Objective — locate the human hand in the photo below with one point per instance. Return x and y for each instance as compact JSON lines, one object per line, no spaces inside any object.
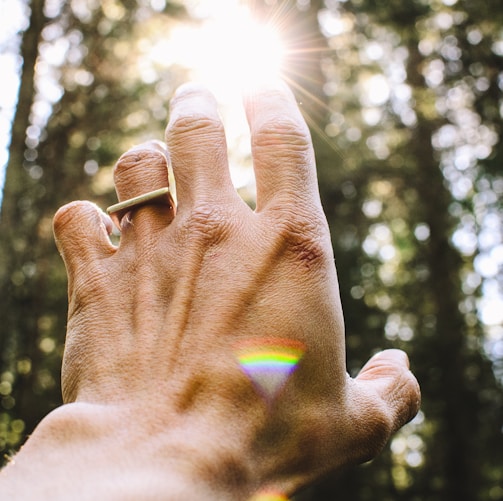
{"x":157,"y":325}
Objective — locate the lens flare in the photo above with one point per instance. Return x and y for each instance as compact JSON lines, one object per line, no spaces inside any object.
{"x":269,"y":496}
{"x":227,"y":49}
{"x":238,"y":51}
{"x":269,"y":362}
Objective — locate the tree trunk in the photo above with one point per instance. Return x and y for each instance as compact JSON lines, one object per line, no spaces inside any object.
{"x":17,"y":224}
{"x":448,"y":350}
{"x":20,"y":280}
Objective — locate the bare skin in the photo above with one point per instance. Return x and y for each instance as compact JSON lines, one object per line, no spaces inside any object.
{"x":156,"y":405}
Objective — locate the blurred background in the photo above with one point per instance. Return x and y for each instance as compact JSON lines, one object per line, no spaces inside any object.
{"x":404,"y":100}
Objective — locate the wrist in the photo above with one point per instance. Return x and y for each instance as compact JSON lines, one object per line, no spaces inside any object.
{"x":87,"y":451}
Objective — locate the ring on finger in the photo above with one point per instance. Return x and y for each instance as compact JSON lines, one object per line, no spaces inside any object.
{"x":156,"y":197}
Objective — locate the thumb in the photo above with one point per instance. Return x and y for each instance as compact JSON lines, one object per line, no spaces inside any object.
{"x":81,"y":232}
{"x":387,"y":374}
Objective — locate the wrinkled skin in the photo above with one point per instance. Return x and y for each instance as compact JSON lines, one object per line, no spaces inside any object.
{"x":153,"y":322}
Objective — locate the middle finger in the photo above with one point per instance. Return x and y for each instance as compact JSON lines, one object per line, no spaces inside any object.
{"x":198,"y":150}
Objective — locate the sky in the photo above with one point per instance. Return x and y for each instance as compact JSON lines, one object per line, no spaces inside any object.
{"x":12,"y":20}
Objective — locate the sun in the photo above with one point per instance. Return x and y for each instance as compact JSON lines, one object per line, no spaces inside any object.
{"x":243,"y":51}
{"x":227,"y":49}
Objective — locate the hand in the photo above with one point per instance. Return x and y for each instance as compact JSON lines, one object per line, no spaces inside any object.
{"x":157,"y":325}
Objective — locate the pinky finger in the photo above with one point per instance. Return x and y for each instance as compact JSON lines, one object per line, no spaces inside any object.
{"x":81,"y":231}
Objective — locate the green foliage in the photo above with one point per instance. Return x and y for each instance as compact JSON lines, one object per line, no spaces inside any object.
{"x":87,"y":55}
{"x":408,"y":130}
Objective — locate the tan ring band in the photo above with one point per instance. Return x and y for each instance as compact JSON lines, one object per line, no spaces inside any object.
{"x":119,"y":210}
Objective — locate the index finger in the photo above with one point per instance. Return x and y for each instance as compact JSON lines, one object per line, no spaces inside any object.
{"x":282,"y":150}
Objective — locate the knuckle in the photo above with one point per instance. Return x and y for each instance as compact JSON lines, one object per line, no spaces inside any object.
{"x":70,"y":215}
{"x":408,"y":399}
{"x":64,"y":214}
{"x":139,"y":162}
{"x":137,"y":155}
{"x":207,"y":225}
{"x":194,"y":124}
{"x":285,"y":133}
{"x":86,"y":290}
{"x":80,"y":233}
{"x":374,"y":432}
{"x":403,"y":394}
{"x":305,"y":239}
{"x":380,"y":428}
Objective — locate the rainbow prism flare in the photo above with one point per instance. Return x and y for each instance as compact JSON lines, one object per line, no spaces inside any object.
{"x":269,"y":496}
{"x":269,"y":362}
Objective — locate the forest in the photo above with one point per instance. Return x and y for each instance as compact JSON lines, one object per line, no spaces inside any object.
{"x":404,"y":100}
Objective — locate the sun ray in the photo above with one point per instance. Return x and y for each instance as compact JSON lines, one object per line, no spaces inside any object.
{"x":236,"y":43}
{"x":303,"y":50}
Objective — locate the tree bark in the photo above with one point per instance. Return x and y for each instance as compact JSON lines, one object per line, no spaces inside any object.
{"x":18,"y":226}
{"x":16,"y":223}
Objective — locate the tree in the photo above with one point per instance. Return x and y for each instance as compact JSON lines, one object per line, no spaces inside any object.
{"x":404,"y":103}
{"x":81,"y":104}
{"x":394,"y":210}
{"x":16,"y":245}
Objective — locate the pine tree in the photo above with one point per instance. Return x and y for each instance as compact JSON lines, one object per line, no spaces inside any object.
{"x":99,"y":106}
